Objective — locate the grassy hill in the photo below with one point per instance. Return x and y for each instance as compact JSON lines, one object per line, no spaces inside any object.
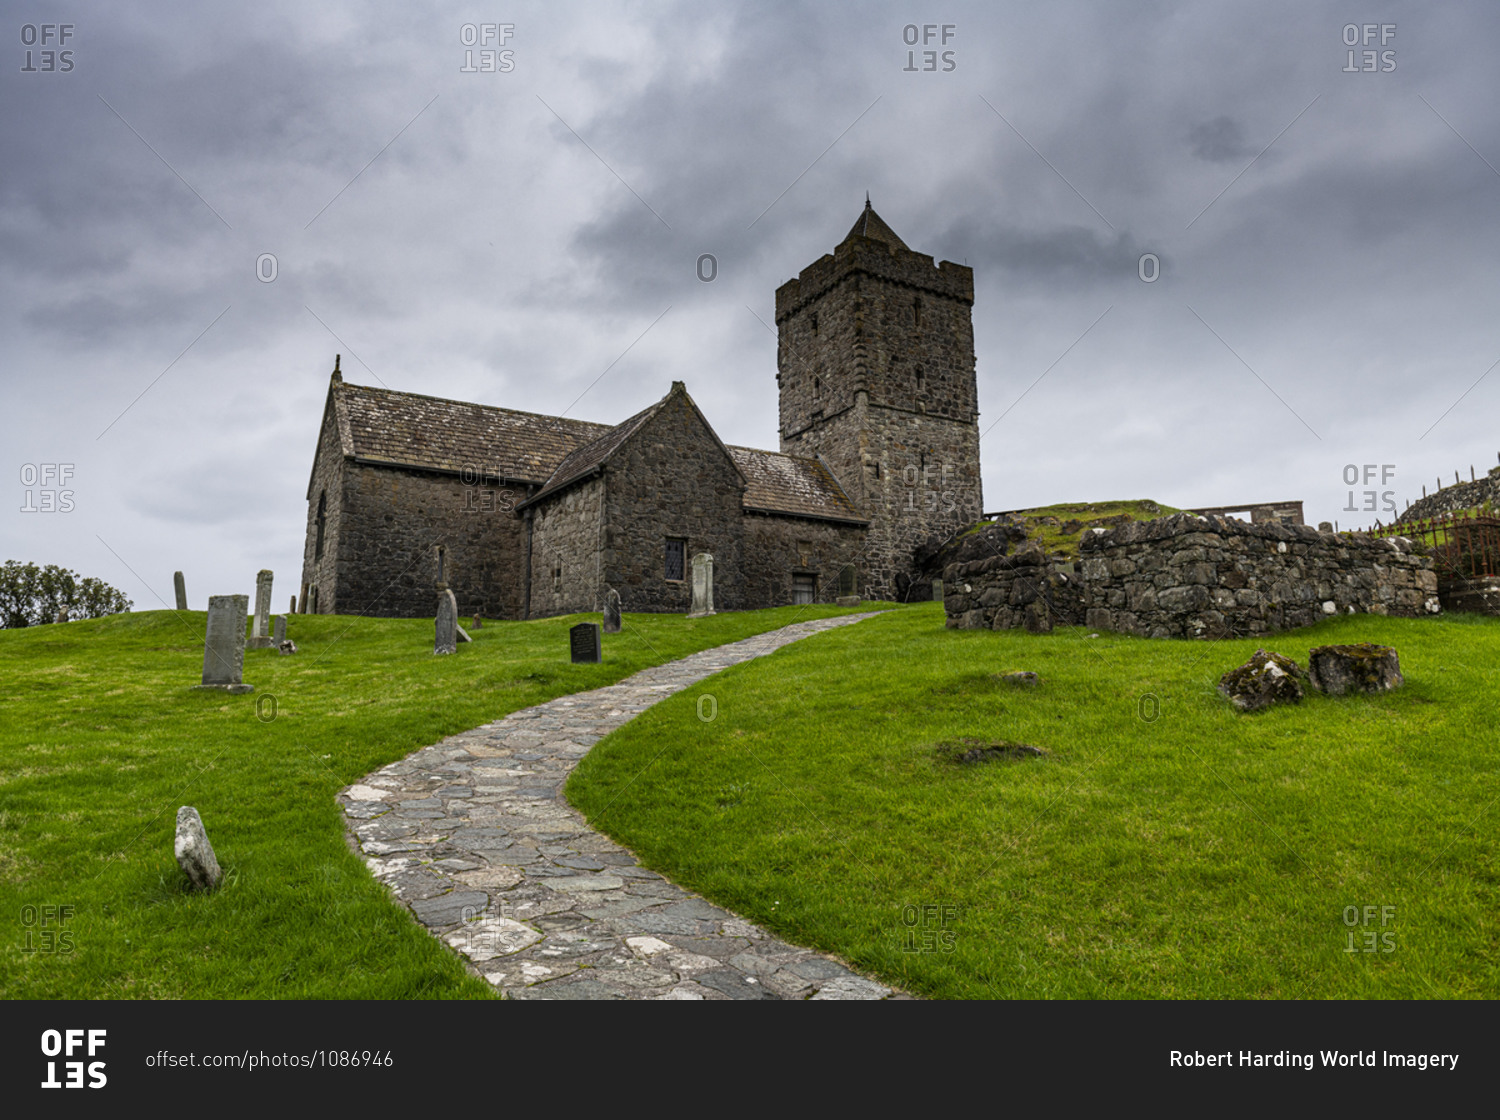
{"x":102,"y":738}
{"x":1058,"y":528}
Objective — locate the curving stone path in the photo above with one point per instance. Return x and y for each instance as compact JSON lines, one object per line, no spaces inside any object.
{"x":474,"y":836}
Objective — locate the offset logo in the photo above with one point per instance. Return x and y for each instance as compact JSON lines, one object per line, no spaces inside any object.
{"x":66,"y":1044}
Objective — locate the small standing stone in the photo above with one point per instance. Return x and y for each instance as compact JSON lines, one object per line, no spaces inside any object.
{"x":195,"y":855}
{"x":1325,"y":526}
{"x":937,"y":591}
{"x":478,"y":622}
{"x":584,"y":643}
{"x":224,"y":644}
{"x":293,"y":608}
{"x":260,"y":636}
{"x":447,"y":624}
{"x":611,"y":611}
{"x":703,"y":586}
{"x":62,"y":614}
{"x":280,"y":635}
{"x":181,"y":590}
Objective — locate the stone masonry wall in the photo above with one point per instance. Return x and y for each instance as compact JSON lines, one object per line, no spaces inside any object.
{"x":777,"y":547}
{"x":673,"y":479}
{"x":321,"y":572}
{"x":1194,"y":577}
{"x":1460,"y":495}
{"x":566,"y":534}
{"x":394,"y":521}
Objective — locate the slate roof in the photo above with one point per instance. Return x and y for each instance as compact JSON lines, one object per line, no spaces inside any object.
{"x":407,"y":429}
{"x":791,"y":484}
{"x":871,"y":225}
{"x":383,"y":426}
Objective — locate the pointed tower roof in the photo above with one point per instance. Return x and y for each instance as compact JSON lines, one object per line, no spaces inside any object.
{"x":871,"y":225}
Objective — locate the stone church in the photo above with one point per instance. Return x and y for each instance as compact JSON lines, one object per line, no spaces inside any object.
{"x":524,"y":516}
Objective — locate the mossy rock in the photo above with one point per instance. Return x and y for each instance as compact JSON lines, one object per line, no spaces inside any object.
{"x":1366,"y":667}
{"x":1267,"y":678}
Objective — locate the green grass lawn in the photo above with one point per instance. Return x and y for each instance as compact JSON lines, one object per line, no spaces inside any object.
{"x":102,"y":738}
{"x":1167,"y":846}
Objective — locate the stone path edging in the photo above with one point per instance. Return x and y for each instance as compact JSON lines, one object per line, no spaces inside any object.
{"x":474,"y":836}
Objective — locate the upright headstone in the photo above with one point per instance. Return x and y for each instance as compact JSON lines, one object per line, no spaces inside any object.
{"x":293,"y":608}
{"x":848,"y":587}
{"x":478,"y":622}
{"x":224,"y":644}
{"x":260,"y":637}
{"x":447,"y":624}
{"x":703,"y":586}
{"x":280,"y":635}
{"x":584,"y":643}
{"x":611,"y":611}
{"x":181,"y":590}
{"x":62,"y":614}
{"x":937,"y":590}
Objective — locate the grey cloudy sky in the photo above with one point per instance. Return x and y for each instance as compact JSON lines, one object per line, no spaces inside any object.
{"x":1325,"y":224}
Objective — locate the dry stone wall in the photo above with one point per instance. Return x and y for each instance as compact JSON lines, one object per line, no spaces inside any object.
{"x":1193,"y":577}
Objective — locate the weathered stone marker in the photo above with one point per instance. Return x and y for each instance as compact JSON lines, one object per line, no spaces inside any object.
{"x":703,"y":586}
{"x":280,"y":635}
{"x":937,"y":591}
{"x":62,"y":614}
{"x":1267,"y":678}
{"x":195,"y":855}
{"x":181,"y":590}
{"x":447,"y":624}
{"x":584,"y":643}
{"x":293,"y":608}
{"x":1365,"y":667}
{"x":461,"y":633}
{"x":1325,"y":526}
{"x":260,"y":636}
{"x":611,"y":611}
{"x":848,"y":595}
{"x":224,"y":644}
{"x":478,"y":622}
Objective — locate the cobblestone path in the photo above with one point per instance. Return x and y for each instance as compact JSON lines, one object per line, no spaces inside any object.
{"x":474,"y":836}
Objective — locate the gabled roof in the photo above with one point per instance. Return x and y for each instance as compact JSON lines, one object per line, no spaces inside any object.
{"x":411,"y":430}
{"x":791,"y":484}
{"x":591,"y":456}
{"x":870,"y":225}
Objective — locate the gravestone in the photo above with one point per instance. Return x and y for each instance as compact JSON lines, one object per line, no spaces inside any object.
{"x":937,"y":590}
{"x":260,"y":636}
{"x":478,"y":622}
{"x":848,"y":587}
{"x":195,"y":855}
{"x":224,"y":644}
{"x":62,"y":614}
{"x":181,"y":590}
{"x":280,"y":635}
{"x":461,"y":633}
{"x":1325,"y":526}
{"x":293,"y":608}
{"x":703,"y":586}
{"x":584,"y":643}
{"x":611,"y":611}
{"x":447,"y":624}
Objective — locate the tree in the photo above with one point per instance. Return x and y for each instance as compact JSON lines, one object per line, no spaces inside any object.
{"x":32,"y":596}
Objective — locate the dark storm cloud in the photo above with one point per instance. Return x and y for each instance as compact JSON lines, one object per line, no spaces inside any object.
{"x":1219,"y":140}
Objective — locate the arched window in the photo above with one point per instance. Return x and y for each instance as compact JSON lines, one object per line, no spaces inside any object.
{"x":817,"y":389}
{"x":921,"y":379}
{"x":322,"y":521}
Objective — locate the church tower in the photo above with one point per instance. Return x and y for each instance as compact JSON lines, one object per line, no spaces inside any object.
{"x":875,"y":360}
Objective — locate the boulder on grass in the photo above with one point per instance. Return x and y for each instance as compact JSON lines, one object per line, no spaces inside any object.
{"x":1365,"y":667}
{"x":195,"y":855}
{"x":1267,"y":678}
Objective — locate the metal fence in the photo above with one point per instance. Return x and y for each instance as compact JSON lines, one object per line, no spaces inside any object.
{"x":1464,"y":545}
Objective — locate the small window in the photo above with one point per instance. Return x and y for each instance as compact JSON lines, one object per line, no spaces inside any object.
{"x":815,"y":322}
{"x":804,"y":588}
{"x":322,"y":520}
{"x":442,"y":565}
{"x":916,"y":313}
{"x":817,"y":389}
{"x":557,"y":576}
{"x":921,"y":379}
{"x":676,"y":552}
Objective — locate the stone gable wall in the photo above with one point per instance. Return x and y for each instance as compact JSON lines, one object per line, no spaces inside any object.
{"x":1193,"y":577}
{"x":673,"y":479}
{"x":327,"y":482}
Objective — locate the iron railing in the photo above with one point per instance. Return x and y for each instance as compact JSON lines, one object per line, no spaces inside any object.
{"x":1463,"y":545}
